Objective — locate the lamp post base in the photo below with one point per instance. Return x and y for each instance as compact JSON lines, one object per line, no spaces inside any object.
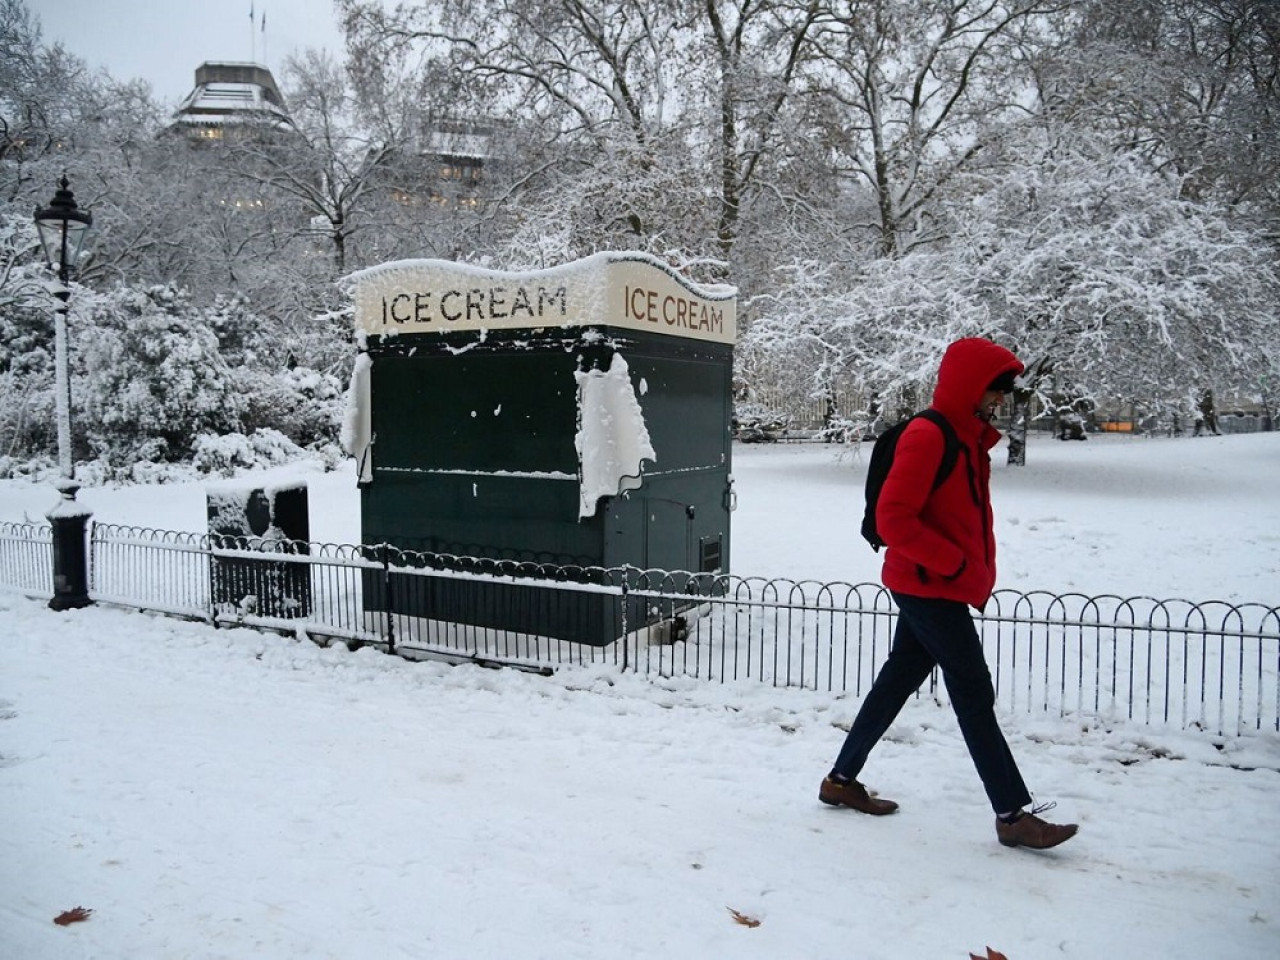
{"x":70,"y":549}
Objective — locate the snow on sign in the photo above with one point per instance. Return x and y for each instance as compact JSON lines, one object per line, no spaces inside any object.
{"x":630,"y":290}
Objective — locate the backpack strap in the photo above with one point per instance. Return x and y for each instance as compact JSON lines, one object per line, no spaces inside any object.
{"x":951,"y":447}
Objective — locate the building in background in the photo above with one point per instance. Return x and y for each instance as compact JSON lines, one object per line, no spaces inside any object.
{"x":231,"y":99}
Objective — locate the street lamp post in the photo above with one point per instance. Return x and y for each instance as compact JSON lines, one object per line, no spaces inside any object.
{"x":63,"y":228}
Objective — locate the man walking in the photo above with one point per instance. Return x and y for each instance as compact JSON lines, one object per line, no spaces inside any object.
{"x":941,"y":559}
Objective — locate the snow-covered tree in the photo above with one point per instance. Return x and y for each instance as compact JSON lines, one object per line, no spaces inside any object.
{"x":1192,"y":85}
{"x":641,"y":123}
{"x":876,"y":331}
{"x":1101,"y":267}
{"x":26,"y":341}
{"x":1086,"y":263}
{"x":916,"y":88}
{"x":39,"y":95}
{"x":322,"y":170}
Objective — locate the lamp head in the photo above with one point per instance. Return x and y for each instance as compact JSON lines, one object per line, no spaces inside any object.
{"x":63,"y":227}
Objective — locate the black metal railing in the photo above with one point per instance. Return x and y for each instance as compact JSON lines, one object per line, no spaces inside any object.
{"x":1208,"y":665}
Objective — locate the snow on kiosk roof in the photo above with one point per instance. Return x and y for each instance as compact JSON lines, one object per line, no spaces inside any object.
{"x":630,"y":290}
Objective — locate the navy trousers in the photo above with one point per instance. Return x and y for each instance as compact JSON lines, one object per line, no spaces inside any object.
{"x":939,"y":632}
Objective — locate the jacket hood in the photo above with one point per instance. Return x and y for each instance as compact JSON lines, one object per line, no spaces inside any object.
{"x":967,"y":368}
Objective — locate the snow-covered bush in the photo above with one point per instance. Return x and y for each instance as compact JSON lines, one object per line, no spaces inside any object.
{"x":224,"y":455}
{"x":302,"y":404}
{"x":157,"y":381}
{"x":152,"y":378}
{"x":12,"y":467}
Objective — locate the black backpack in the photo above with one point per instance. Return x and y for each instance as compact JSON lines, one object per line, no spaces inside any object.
{"x":882,"y":459}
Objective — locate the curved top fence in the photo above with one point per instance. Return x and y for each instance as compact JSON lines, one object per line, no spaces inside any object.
{"x":1210,"y":665}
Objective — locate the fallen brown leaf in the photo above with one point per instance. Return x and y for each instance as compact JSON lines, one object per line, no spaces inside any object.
{"x":743,"y":919}
{"x":74,"y":915}
{"x":991,"y":955}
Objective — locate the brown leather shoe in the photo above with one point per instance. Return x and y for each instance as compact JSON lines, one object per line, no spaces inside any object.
{"x":853,"y":794}
{"x":1030,"y":831}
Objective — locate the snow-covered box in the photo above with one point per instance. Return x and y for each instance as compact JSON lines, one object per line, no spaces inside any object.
{"x":253,"y":531}
{"x":577,"y":416}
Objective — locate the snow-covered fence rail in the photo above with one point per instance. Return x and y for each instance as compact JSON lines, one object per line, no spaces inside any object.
{"x":1212,"y":665}
{"x":26,"y":557}
{"x":159,"y":570}
{"x":1208,"y":665}
{"x":242,"y":580}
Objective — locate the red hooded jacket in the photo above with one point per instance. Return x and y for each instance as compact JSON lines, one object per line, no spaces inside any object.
{"x":940,"y":542}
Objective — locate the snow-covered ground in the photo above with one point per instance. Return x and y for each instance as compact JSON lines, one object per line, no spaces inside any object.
{"x":229,"y":794}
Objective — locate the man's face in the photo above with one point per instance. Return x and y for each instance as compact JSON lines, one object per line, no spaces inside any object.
{"x":991,"y":399}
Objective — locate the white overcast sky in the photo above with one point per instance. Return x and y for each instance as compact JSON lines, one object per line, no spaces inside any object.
{"x":163,"y":41}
